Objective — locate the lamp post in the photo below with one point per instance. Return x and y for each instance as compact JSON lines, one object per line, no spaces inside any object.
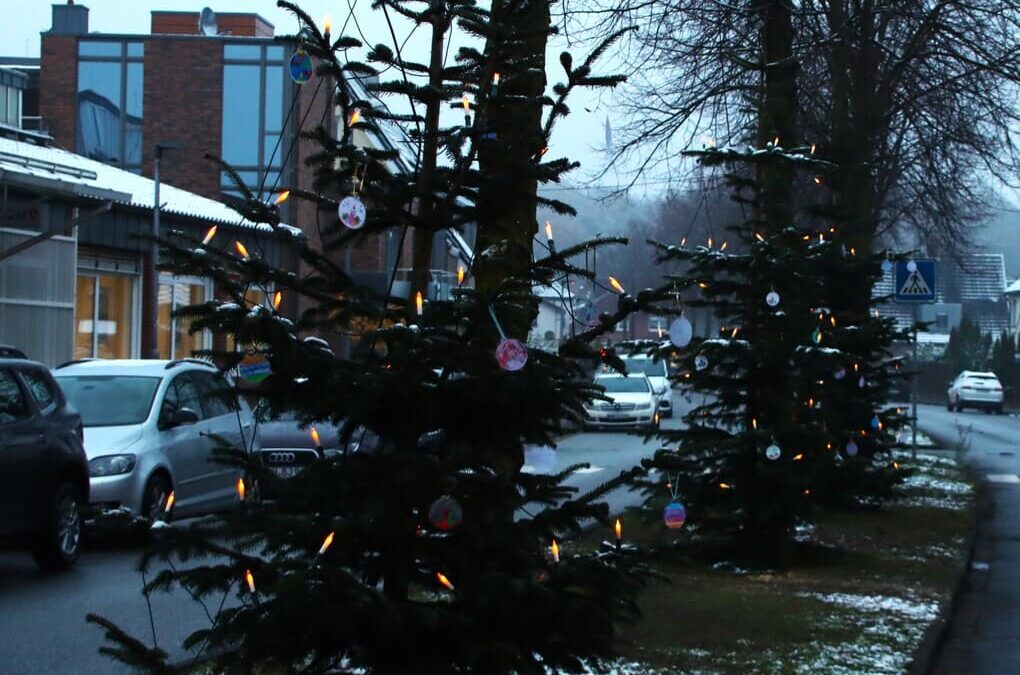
{"x":151,"y":273}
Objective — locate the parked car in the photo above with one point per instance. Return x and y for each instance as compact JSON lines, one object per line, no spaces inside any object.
{"x":633,"y":403}
{"x":288,"y":446}
{"x":658,"y":374}
{"x":151,"y":428}
{"x":9,"y":352}
{"x":44,"y":485}
{"x":973,"y":389}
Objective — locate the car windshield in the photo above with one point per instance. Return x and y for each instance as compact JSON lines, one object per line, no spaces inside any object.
{"x":623,"y":385}
{"x":649,"y":367}
{"x":110,"y":400}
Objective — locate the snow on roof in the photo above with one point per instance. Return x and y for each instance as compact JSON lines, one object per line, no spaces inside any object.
{"x":1013,"y":288}
{"x":980,"y":276}
{"x":92,"y":178}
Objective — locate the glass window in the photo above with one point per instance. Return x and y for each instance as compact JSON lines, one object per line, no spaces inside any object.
{"x":135,"y":49}
{"x":99,"y":48}
{"x":623,"y":385}
{"x":274,"y":53}
{"x":241,"y":115}
{"x":12,"y":403}
{"x":40,"y":387}
{"x":3,"y":105}
{"x":99,"y":110}
{"x":182,"y":393}
{"x":109,"y":400}
{"x":104,"y":316}
{"x":657,"y":325}
{"x":217,"y":397}
{"x":174,"y":338}
{"x":245,"y":52}
{"x":274,"y":99}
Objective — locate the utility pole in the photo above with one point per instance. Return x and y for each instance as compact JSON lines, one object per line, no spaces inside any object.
{"x":151,"y":349}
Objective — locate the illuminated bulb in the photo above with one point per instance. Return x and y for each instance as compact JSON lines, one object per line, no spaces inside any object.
{"x":240,"y":488}
{"x":548,"y":230}
{"x":249,"y":579}
{"x":209,"y":234}
{"x":812,"y":148}
{"x":818,"y":180}
{"x":734,"y":333}
{"x":314,"y":433}
{"x":170,"y":498}
{"x":419,"y":303}
{"x":724,"y":245}
{"x":618,"y":529}
{"x":495,"y":79}
{"x":277,"y":299}
{"x":725,"y":486}
{"x":660,"y":331}
{"x":460,"y":275}
{"x":757,"y":235}
{"x":444,"y":581}
{"x":832,"y":320}
{"x":710,"y":242}
{"x":541,"y":153}
{"x":327,"y":23}
{"x":798,"y":457}
{"x":702,"y":284}
{"x":616,"y":285}
{"x":896,"y":465}
{"x":807,"y":492}
{"x":853,"y":251}
{"x":326,"y":543}
{"x":465,"y":102}
{"x":355,"y":117}
{"x":555,"y":548}
{"x":754,"y":423}
{"x":683,"y":242}
{"x":775,"y":141}
{"x":241,"y":250}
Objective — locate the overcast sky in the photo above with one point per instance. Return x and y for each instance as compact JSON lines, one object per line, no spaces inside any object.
{"x":580,"y":137}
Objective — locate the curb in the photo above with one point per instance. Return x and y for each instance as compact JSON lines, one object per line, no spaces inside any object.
{"x":937,"y":634}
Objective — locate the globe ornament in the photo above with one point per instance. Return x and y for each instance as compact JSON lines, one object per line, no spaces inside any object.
{"x":445,"y":513}
{"x":674,"y":515}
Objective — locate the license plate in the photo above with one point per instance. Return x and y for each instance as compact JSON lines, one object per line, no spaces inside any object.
{"x":286,"y":471}
{"x":616,"y":418}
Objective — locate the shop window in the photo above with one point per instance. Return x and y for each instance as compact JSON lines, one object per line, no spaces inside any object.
{"x":105,"y":316}
{"x":174,"y":337}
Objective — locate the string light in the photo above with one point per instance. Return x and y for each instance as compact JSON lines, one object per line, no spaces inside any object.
{"x":240,"y":488}
{"x":733,"y":335}
{"x":354,"y":118}
{"x":444,"y":581}
{"x":818,"y":180}
{"x":249,"y":579}
{"x":710,"y":242}
{"x":241,"y":250}
{"x":314,"y":433}
{"x":616,"y":285}
{"x":798,"y":457}
{"x":555,"y":548}
{"x":277,"y":299}
{"x":170,"y":499}
{"x":327,"y":22}
{"x":619,"y":533}
{"x":209,"y":234}
{"x":754,"y":423}
{"x":724,"y":245}
{"x":812,"y":148}
{"x":466,"y":104}
{"x":419,"y":303}
{"x":725,"y":486}
{"x":326,"y":543}
{"x":757,"y":235}
{"x":460,"y":275}
{"x":282,"y":197}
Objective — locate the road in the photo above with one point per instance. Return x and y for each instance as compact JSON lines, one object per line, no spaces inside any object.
{"x":43,"y":626}
{"x":985,"y":637}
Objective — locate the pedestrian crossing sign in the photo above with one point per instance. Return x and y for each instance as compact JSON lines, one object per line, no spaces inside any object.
{"x":915,"y":280}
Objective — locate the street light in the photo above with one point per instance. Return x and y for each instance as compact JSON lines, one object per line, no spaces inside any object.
{"x":152,"y":275}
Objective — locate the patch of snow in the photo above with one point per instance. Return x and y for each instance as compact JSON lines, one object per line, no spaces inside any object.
{"x":917,"y":609}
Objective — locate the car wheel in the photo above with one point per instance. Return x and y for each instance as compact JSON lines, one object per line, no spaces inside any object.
{"x":949,"y":405}
{"x":59,"y":542}
{"x":157,"y":490}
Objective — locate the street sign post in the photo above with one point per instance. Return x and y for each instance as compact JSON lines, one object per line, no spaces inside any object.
{"x":915,"y":284}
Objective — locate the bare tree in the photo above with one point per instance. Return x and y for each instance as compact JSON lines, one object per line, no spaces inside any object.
{"x":915,"y":100}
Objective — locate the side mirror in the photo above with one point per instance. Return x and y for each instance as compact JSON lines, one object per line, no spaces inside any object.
{"x":182,"y":417}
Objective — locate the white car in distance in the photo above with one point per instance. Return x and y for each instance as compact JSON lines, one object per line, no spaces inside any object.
{"x":973,"y":389}
{"x":658,"y":376}
{"x":633,"y":403}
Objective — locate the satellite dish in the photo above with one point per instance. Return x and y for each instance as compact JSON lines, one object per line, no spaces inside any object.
{"x":207,"y":22}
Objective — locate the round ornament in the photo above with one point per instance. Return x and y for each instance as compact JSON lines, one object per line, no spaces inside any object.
{"x":875,"y":422}
{"x":772,"y":453}
{"x":445,"y":513}
{"x":681,"y":332}
{"x":511,"y":354}
{"x":861,"y":383}
{"x":851,"y":449}
{"x":701,"y":362}
{"x":887,"y":266}
{"x":911,"y":266}
{"x":301,"y":67}
{"x":839,"y":373}
{"x":254,"y":367}
{"x":674,"y":515}
{"x":352,"y":212}
{"x":772,"y":298}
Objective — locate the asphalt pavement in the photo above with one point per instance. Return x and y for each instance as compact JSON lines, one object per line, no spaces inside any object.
{"x":985,"y":634}
{"x":42,"y":617}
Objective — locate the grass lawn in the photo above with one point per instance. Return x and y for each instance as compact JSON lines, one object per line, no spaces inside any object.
{"x":867,"y":586}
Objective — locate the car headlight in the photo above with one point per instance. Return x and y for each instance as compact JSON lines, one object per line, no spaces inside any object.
{"x":111,"y":465}
{"x":643,"y":406}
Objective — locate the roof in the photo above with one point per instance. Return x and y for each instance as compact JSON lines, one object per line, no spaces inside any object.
{"x":138,"y":367}
{"x":978,"y":276}
{"x":1013,"y":288}
{"x":77,"y":175}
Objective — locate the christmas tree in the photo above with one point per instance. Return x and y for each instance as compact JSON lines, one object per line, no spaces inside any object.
{"x":428,"y":550}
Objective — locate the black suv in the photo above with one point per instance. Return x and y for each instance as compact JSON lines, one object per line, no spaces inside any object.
{"x":44,"y":484}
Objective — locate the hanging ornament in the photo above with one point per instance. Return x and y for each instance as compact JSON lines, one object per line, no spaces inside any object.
{"x":352,"y":212}
{"x":772,"y":298}
{"x":301,"y":67}
{"x":875,"y":422}
{"x":851,"y":448}
{"x":674,"y":515}
{"x":701,"y":362}
{"x":772,"y":453}
{"x":839,"y":373}
{"x":816,"y":336}
{"x":511,"y":354}
{"x":681,"y":332}
{"x":445,"y":513}
{"x":861,"y":383}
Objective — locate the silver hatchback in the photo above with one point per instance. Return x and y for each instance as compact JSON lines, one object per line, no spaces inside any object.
{"x":151,"y":428}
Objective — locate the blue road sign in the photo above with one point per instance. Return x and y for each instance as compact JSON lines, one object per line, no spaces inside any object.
{"x":915,"y":280}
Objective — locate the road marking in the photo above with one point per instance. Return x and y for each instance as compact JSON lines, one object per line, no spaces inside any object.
{"x":1003,"y":478}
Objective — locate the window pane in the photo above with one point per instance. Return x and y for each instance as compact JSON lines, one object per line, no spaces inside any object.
{"x":133,"y":111}
{"x":40,"y":388}
{"x":187,"y":394}
{"x":96,"y":48}
{"x":84,"y":311}
{"x":3,"y":105}
{"x":163,"y":321}
{"x":274,"y":53}
{"x":109,"y":400}
{"x":241,"y":115}
{"x":274,"y":159}
{"x":246,"y":52}
{"x":136,"y":49}
{"x":98,"y":134}
{"x":12,"y":403}
{"x":186,"y":343}
{"x":113,"y":329}
{"x":274,"y":99}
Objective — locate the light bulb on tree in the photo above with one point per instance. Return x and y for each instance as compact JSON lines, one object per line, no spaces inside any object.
{"x":617,"y":286}
{"x":326,"y":543}
{"x":241,"y":250}
{"x":466,"y":103}
{"x":419,"y":303}
{"x":444,"y":581}
{"x":277,"y":299}
{"x":549,"y":237}
{"x":249,"y":579}
{"x":282,"y":197}
{"x":555,"y":549}
{"x":209,"y":234}
{"x":618,"y":529}
{"x":240,"y":489}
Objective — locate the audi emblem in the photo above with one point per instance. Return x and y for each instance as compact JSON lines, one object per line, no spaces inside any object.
{"x":282,"y":457}
{"x":616,"y":406}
